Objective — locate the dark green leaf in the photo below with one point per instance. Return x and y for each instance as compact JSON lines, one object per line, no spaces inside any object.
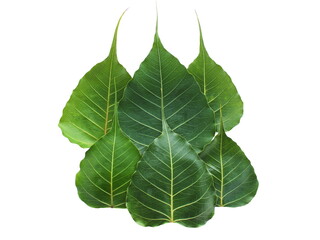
{"x":161,"y":89}
{"x":171,"y":184}
{"x":234,"y":178}
{"x":217,"y":86}
{"x":88,"y":114}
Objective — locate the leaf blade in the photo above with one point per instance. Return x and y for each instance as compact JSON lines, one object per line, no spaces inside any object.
{"x":88,"y":113}
{"x":162,"y":89}
{"x":234,"y":178}
{"x":180,"y":193}
{"x":106,"y":170}
{"x":218,"y":88}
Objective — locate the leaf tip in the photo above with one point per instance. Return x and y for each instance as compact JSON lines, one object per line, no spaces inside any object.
{"x":200,"y":30}
{"x":120,"y":20}
{"x":195,"y":11}
{"x":124,"y":12}
{"x":157,"y":17}
{"x":156,"y":36}
{"x":114,"y":42}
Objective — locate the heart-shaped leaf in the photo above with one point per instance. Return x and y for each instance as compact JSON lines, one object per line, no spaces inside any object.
{"x":162,"y":89}
{"x":217,"y":86}
{"x":106,"y":170}
{"x":88,"y":114}
{"x":234,"y":178}
{"x":171,"y":184}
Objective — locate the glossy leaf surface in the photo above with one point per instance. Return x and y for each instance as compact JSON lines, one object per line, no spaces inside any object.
{"x":171,"y":184}
{"x":218,"y":88}
{"x":88,"y":114}
{"x":161,"y":89}
{"x":234,"y":178}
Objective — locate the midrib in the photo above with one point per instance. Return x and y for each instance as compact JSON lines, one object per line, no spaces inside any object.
{"x":109,"y":93}
{"x":204,"y":71}
{"x":115,"y":130}
{"x":171,"y":180}
{"x":111,"y":172}
{"x":222,"y":174}
{"x":161,"y":83}
{"x":163,"y":120}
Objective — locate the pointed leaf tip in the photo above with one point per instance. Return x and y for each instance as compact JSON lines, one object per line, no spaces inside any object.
{"x":198,"y":19}
{"x":200,"y":31}
{"x":113,"y":49}
{"x":157,"y":21}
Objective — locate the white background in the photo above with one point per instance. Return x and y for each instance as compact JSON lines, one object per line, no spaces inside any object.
{"x":270,"y":48}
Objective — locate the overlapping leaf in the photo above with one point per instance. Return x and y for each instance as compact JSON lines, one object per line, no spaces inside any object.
{"x":106,"y":170}
{"x":170,"y":119}
{"x":234,"y":178}
{"x":171,"y":184}
{"x":217,"y":86}
{"x":163,"y":87}
{"x":88,"y":114}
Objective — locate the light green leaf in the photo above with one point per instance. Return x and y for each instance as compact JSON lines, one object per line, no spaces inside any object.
{"x":234,"y":178}
{"x":217,"y":86}
{"x":171,"y":184}
{"x":161,"y":89}
{"x":88,"y":114}
{"x":107,"y":168}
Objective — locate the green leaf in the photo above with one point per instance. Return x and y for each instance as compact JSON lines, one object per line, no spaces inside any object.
{"x":217,"y":86}
{"x":162,"y":89}
{"x":171,"y":184}
{"x":88,"y":114}
{"x":234,"y":178}
{"x":107,"y":168}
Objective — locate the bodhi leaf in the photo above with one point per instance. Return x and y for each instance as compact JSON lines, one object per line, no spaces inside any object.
{"x":106,"y":170}
{"x":162,"y":85}
{"x":171,"y":184}
{"x":88,"y":114}
{"x":234,"y":178}
{"x":217,"y":86}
